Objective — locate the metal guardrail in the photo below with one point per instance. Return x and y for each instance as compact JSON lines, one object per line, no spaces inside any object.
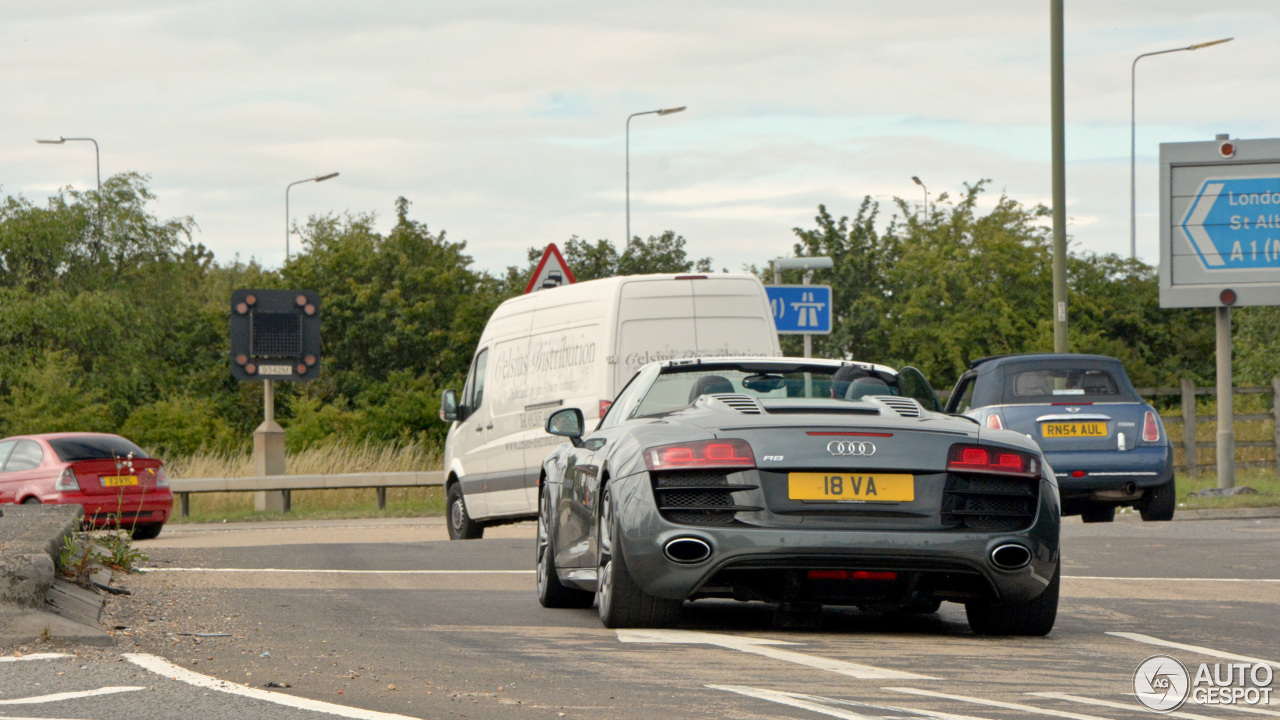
{"x":184,"y":487}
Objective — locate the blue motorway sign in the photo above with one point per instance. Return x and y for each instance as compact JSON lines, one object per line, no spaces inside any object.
{"x":1234,"y":224}
{"x":801,"y":308}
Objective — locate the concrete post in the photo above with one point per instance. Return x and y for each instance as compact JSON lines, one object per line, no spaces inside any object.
{"x":1189,"y":426}
{"x":1275,"y":413}
{"x":1226,"y":416}
{"x":268,"y":453}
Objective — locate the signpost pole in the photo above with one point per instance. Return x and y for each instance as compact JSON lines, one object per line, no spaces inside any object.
{"x":268,"y":453}
{"x":808,"y":337}
{"x":1226,"y":432}
{"x":1060,"y":337}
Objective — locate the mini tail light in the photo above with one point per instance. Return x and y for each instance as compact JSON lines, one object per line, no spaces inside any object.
{"x":604,"y":406}
{"x":162,"y":480}
{"x":852,"y":575}
{"x":992,"y":461}
{"x":1150,"y":428}
{"x":993,"y":422}
{"x":728,"y":453}
{"x":67,"y":481}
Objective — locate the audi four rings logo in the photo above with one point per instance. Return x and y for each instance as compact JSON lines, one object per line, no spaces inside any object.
{"x":846,"y":448}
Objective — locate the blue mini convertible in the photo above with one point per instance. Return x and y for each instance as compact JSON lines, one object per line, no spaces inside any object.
{"x":1107,"y":447}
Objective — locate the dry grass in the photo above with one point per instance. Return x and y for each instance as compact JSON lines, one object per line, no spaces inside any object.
{"x":314,"y":504}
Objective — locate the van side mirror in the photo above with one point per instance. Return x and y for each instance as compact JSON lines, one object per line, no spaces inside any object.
{"x":448,"y":406}
{"x":566,"y":423}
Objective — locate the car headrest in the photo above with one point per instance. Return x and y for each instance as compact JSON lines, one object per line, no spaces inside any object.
{"x":866,"y":386}
{"x":709,"y":385}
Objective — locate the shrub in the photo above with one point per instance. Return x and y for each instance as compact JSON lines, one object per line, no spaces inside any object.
{"x":180,"y":426}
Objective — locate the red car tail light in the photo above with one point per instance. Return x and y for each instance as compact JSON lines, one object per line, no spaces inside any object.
{"x":702,"y":454}
{"x":993,"y":422}
{"x":604,"y":406}
{"x":1150,"y":428}
{"x":992,"y":461}
{"x":67,"y":481}
{"x":852,"y":575}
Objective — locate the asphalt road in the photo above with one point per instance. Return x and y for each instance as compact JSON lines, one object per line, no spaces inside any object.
{"x":382,"y":618}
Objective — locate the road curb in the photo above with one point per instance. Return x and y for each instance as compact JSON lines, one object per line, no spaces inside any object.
{"x":30,"y":540}
{"x":1210,"y":514}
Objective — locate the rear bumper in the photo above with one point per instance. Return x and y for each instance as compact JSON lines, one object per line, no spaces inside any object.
{"x":1111,"y":470}
{"x":945,"y":555}
{"x":103,"y":510}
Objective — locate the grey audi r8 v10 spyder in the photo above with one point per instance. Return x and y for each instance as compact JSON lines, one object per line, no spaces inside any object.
{"x":799,"y":483}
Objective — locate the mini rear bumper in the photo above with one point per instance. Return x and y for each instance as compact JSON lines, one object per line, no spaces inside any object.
{"x":1088,"y":471}
{"x":645,"y":533}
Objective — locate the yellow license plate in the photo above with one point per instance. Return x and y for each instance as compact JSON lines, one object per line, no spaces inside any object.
{"x":1073,"y":429}
{"x":851,"y":487}
{"x":119,"y":481}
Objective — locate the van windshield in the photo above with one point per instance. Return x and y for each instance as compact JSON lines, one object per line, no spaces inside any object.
{"x":678,"y":389}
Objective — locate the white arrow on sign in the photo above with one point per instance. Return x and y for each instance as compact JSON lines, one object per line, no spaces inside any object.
{"x":1194,"y":225}
{"x":766,"y":648}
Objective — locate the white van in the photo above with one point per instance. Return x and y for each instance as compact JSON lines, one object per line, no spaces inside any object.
{"x":577,"y":346}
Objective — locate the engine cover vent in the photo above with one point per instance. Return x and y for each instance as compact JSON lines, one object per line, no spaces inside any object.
{"x":744,"y":404}
{"x":905,"y":407}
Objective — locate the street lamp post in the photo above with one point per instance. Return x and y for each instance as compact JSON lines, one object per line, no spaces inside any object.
{"x":318,"y":178}
{"x":926,"y":197}
{"x":1133,"y":137}
{"x":97,"y":158}
{"x":665,"y":111}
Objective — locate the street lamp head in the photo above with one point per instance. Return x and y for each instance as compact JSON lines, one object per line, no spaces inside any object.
{"x":59,"y":141}
{"x":1197,"y":46}
{"x":672,"y":111}
{"x":322,"y":178}
{"x":917,"y":180}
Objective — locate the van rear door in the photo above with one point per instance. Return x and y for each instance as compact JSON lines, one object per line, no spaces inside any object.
{"x":733,"y":318}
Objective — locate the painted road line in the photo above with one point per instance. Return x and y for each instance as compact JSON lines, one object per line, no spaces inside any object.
{"x":341,"y":572}
{"x":1139,"y":637}
{"x":1169,"y":579}
{"x":59,"y":697}
{"x":766,"y":648}
{"x":996,"y":703}
{"x":820,"y":704}
{"x":1136,"y":706}
{"x":33,"y":656}
{"x":160,"y":666}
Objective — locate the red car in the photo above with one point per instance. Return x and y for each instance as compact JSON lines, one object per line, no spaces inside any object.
{"x":111,"y":477}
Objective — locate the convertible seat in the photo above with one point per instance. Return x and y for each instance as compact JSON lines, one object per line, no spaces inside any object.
{"x":709,"y":385}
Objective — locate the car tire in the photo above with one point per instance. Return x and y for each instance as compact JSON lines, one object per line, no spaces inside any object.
{"x":1034,"y":617}
{"x":150,"y":531}
{"x":620,"y":602}
{"x":31,"y":501}
{"x":1098,"y":514}
{"x":1159,"y":502}
{"x":551,"y":593}
{"x":461,"y":526}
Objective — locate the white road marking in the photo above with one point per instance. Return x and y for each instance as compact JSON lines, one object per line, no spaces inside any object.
{"x":160,"y":666}
{"x":343,"y":572}
{"x":33,"y":656}
{"x":765,"y":648}
{"x":59,"y":697}
{"x":1169,"y":579}
{"x":1139,"y":637}
{"x":816,"y":704}
{"x":1136,"y":706}
{"x":996,"y":703}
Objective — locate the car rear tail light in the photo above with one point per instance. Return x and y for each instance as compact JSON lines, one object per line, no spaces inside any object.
{"x":992,"y":461}
{"x":67,"y":481}
{"x":604,"y":406}
{"x":1150,"y":428}
{"x":993,"y":422}
{"x":728,"y":453}
{"x":852,"y":575}
{"x":162,"y":480}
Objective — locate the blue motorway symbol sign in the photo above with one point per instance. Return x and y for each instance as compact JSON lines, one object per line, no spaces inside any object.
{"x":1234,"y":224}
{"x":801,"y":308}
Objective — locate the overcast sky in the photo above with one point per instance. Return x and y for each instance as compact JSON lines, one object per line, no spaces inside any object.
{"x":503,"y":122}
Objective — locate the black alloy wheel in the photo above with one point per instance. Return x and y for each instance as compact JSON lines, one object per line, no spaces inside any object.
{"x":150,"y":531}
{"x":1034,"y":617}
{"x":461,"y":526}
{"x":1098,"y":514}
{"x":1159,"y":502}
{"x":620,"y":602}
{"x":551,"y":593}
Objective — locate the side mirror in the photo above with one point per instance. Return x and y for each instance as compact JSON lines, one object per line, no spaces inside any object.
{"x":448,"y":406}
{"x":566,"y":423}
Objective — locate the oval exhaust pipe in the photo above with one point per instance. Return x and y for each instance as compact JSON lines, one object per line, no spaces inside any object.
{"x":1010,"y":557}
{"x":686,"y":550}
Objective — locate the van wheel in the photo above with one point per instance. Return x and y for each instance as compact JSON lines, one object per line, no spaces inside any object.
{"x":461,"y":526}
{"x":1098,"y":514}
{"x":1159,"y":503}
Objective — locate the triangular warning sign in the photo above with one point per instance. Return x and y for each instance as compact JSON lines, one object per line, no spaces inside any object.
{"x":552,"y":271}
